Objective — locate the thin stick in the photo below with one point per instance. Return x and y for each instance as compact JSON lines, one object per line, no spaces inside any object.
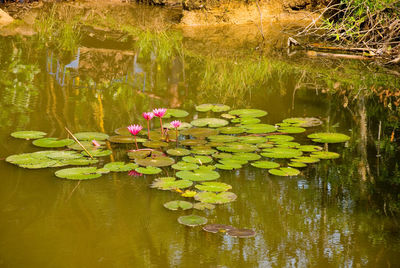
{"x":80,"y":144}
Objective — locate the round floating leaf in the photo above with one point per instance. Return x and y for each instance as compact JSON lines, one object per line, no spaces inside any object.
{"x":231,"y":130}
{"x":228,"y":116}
{"x":214,"y":144}
{"x":199,"y":132}
{"x":211,"y":122}
{"x":281,"y":153}
{"x":79,"y":162}
{"x":214,"y":198}
{"x":215,"y":228}
{"x":297,"y":164}
{"x":192,"y":220}
{"x":52,"y":142}
{"x":175,"y":113}
{"x":222,"y":138}
{"x":184,"y":125}
{"x":97,"y":152}
{"x":198,"y":175}
{"x":287,"y":144}
{"x":87,"y":144}
{"x":203,"y":151}
{"x":252,"y":139}
{"x":213,"y":186}
{"x":305,"y":159}
{"x":304,"y":121}
{"x":178,"y":204}
{"x":259,"y":128}
{"x":291,"y":130}
{"x":148,"y":170}
{"x":328,"y":137}
{"x":280,"y":138}
{"x":161,"y":161}
{"x":122,"y":131}
{"x":139,"y":154}
{"x":222,"y":155}
{"x":241,"y":233}
{"x":204,"y":107}
{"x":64,"y":155}
{"x":230,"y":161}
{"x":309,"y":148}
{"x":237,"y":148}
{"x":28,"y":134}
{"x":88,"y":136}
{"x":120,"y":166}
{"x":79,"y":173}
{"x":265,"y":145}
{"x":178,"y":152}
{"x":246,"y":120}
{"x":206,"y":168}
{"x":248,"y":113}
{"x":170,"y":183}
{"x":325,"y":155}
{"x":246,"y":156}
{"x":217,"y":108}
{"x":229,"y":166}
{"x":265,"y":164}
{"x":125,"y":139}
{"x":193,"y":142}
{"x":185,"y":166}
{"x":198,"y":159}
{"x":284,"y":171}
{"x":155,"y":144}
{"x":189,"y":193}
{"x":203,"y":206}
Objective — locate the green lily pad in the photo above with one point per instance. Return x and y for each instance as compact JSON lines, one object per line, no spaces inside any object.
{"x":161,"y":161}
{"x":122,"y":131}
{"x":125,"y":139}
{"x":215,"y":198}
{"x":183,"y":125}
{"x":281,"y":153}
{"x":148,"y":170}
{"x":259,"y":128}
{"x":203,"y":206}
{"x":222,"y":155}
{"x":212,"y":186}
{"x":64,"y":155}
{"x":181,"y":165}
{"x":139,"y":154}
{"x":230,"y":161}
{"x":175,"y":113}
{"x":87,"y":144}
{"x":304,"y":121}
{"x":325,"y":155}
{"x":241,"y":233}
{"x":265,"y":145}
{"x":265,"y":164}
{"x":155,"y":144}
{"x":193,"y":142}
{"x":328,"y":137}
{"x":88,"y":136}
{"x":170,"y":183}
{"x":79,"y":162}
{"x":231,"y":130}
{"x":198,"y":175}
{"x":246,"y":120}
{"x":280,"y":138}
{"x":198,"y":159}
{"x":178,"y":152}
{"x":192,"y":220}
{"x":79,"y":173}
{"x":246,"y":156}
{"x":97,"y":152}
{"x":287,"y":144}
{"x":211,"y":122}
{"x":178,"y":204}
{"x":203,"y":150}
{"x":297,"y":164}
{"x":252,"y":139}
{"x":52,"y":142}
{"x":248,"y":113}
{"x":306,"y":159}
{"x":222,"y":138}
{"x":228,"y":116}
{"x":228,"y":166}
{"x":217,"y":108}
{"x":120,"y":166}
{"x":284,"y":171}
{"x":309,"y":148}
{"x":291,"y":130}
{"x":238,"y":148}
{"x":206,"y":168}
{"x":28,"y":134}
{"x":199,"y":132}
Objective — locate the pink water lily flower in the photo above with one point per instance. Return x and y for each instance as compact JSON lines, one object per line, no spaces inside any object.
{"x":134,"y":130}
{"x":95,"y":143}
{"x":160,"y":112}
{"x":148,"y":116}
{"x":134,"y":173}
{"x":176,"y":124}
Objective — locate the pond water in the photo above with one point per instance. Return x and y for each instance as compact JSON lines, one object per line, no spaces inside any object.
{"x":341,"y":212}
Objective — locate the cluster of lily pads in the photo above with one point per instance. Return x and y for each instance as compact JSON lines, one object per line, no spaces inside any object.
{"x":207,"y":145}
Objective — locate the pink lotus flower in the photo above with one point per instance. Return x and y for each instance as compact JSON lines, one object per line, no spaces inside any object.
{"x":148,"y":116}
{"x":95,"y":143}
{"x":134,"y":173}
{"x":176,"y":123}
{"x":160,"y":112}
{"x":134,"y":129}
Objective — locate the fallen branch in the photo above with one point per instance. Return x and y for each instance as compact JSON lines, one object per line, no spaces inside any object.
{"x":311,"y":53}
{"x":80,"y":144}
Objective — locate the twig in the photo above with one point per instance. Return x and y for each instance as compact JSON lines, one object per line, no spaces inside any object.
{"x":80,"y":144}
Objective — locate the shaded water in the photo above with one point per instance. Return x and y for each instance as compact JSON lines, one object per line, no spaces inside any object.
{"x":336,"y":213}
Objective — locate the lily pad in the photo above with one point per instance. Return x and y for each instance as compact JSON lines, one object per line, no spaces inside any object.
{"x":79,"y":173}
{"x":125,"y":139}
{"x":183,"y":125}
{"x":265,"y":145}
{"x":52,"y":142}
{"x":259,"y":128}
{"x":246,"y":120}
{"x":215,"y":228}
{"x":192,"y":220}
{"x":178,"y":204}
{"x":213,"y":186}
{"x":189,"y":193}
{"x":230,"y":161}
{"x":248,"y":113}
{"x":237,"y":148}
{"x":198,"y":159}
{"x":297,"y":164}
{"x":304,"y":121}
{"x":228,"y":116}
{"x":148,"y":170}
{"x":328,"y":137}
{"x":265,"y":164}
{"x":306,"y":159}
{"x":199,"y":132}
{"x":222,"y":138}
{"x":284,"y":171}
{"x":178,"y":152}
{"x":217,"y":108}
{"x":241,"y":233}
{"x":198,"y":175}
{"x":87,"y":144}
{"x":252,"y":139}
{"x":79,"y":162}
{"x":175,"y":113}
{"x":193,"y":142}
{"x":203,"y":150}
{"x":287,"y":144}
{"x":280,"y":138}
{"x":228,"y":166}
{"x":64,"y":155}
{"x":309,"y":148}
{"x":231,"y":130}
{"x":155,"y":144}
{"x":122,"y":131}
{"x":246,"y":156}
{"x":88,"y":136}
{"x":203,"y":206}
{"x":185,"y":166}
{"x":222,"y":155}
{"x":170,"y":183}
{"x":28,"y":134}
{"x":291,"y":130}
{"x":161,"y":161}
{"x":281,"y":153}
{"x":211,"y":122}
{"x":139,"y":154}
{"x":325,"y":155}
{"x":215,"y":198}
{"x":97,"y":152}
{"x":120,"y":166}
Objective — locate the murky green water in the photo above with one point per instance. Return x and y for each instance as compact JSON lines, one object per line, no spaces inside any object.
{"x":339,"y":213}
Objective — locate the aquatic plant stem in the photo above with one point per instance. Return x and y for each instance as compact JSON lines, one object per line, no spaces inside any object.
{"x":162,"y":130}
{"x":77,"y":141}
{"x":148,"y":129}
{"x":137,"y":148}
{"x":176,"y":131}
